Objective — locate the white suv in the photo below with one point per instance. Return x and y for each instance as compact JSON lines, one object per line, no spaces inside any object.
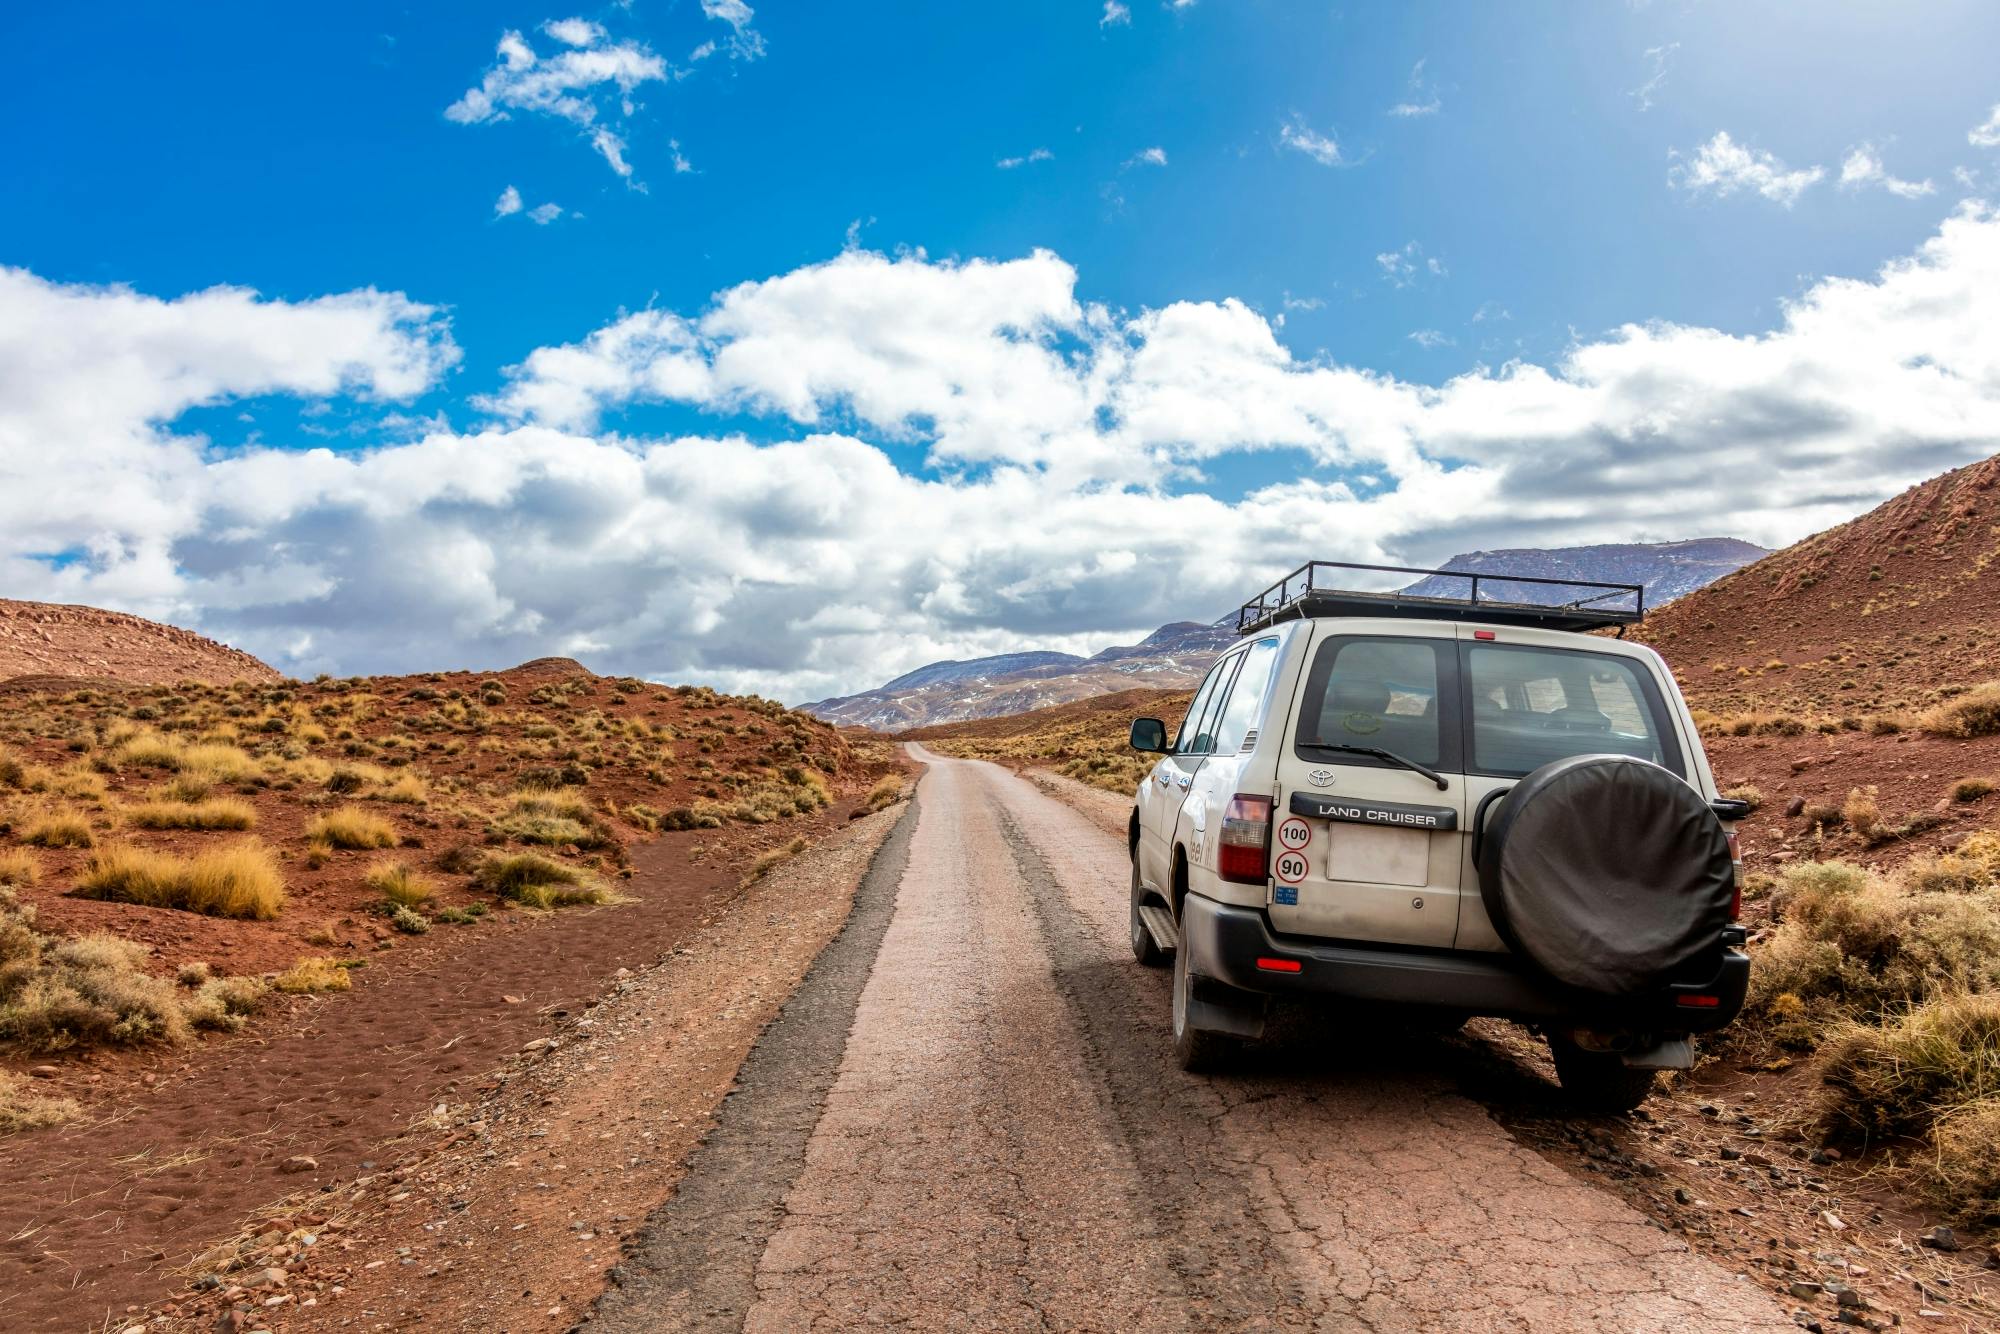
{"x":1464,"y":804}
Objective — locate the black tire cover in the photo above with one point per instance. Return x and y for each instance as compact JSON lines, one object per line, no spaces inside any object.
{"x":1607,"y":872}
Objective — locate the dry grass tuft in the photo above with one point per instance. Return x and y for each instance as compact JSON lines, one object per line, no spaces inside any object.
{"x":93,"y":990}
{"x":353,"y":829}
{"x":1963,"y":1172}
{"x":399,"y":884}
{"x":1748,"y":793}
{"x":539,"y":882}
{"x":58,"y":827}
{"x":218,"y":813}
{"x":886,"y":793}
{"x":409,"y":789}
{"x":312,"y":974}
{"x":1972,"y":789}
{"x":237,"y":881}
{"x":18,"y":868}
{"x":22,"y":1107}
{"x":772,"y":858}
{"x":1861,"y":811}
{"x":1974,"y":713}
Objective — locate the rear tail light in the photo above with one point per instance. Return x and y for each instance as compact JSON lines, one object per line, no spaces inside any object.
{"x":1245,"y":844}
{"x":1699,"y":1002}
{"x":1280,"y":965}
{"x":1736,"y":866}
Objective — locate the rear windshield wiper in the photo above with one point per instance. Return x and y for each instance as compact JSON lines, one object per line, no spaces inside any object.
{"x":1389,"y":755}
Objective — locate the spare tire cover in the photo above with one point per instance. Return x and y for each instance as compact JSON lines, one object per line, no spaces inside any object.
{"x":1607,"y":872}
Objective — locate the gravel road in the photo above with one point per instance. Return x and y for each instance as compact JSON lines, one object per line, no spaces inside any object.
{"x":1001,"y":1141}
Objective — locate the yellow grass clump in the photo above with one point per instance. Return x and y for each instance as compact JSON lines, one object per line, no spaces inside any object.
{"x":353,"y":829}
{"x":540,"y":882}
{"x":313,"y":974}
{"x":237,"y":881}
{"x":400,"y":885}
{"x":1974,"y":713}
{"x":23,"y":1107}
{"x":18,"y":867}
{"x":57,"y":827}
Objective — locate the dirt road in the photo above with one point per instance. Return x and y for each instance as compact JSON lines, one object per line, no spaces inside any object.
{"x":967,"y":1118}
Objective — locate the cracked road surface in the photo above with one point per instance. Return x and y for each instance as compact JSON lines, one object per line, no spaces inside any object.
{"x":968,"y":1118}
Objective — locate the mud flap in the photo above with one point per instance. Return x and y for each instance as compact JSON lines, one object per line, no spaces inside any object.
{"x":1670,"y":1054}
{"x":1217,"y":1008}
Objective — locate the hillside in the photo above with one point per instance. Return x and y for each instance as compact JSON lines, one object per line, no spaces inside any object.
{"x":1171,"y":658}
{"x":49,"y":639}
{"x":1667,"y":570}
{"x":1877,"y":615}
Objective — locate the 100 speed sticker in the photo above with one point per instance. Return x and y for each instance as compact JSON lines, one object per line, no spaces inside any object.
{"x":1294,"y":834}
{"x":1290,"y":867}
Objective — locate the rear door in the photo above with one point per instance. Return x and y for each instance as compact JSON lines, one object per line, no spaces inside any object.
{"x":1164,"y":791}
{"x":1363,"y":849}
{"x":1533,"y":697}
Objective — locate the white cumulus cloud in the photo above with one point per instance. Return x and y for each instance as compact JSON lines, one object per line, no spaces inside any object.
{"x":1114,"y":14}
{"x":590,"y":84}
{"x":1986,"y":134}
{"x":1863,"y":167}
{"x":1722,"y":167}
{"x":1067,"y":441}
{"x":1321,"y":148}
{"x":508,"y":203}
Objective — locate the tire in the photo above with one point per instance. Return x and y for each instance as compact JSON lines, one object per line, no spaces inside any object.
{"x":1195,"y":1050}
{"x":1609,"y":874}
{"x":1598,"y":1081}
{"x":1144,"y":948}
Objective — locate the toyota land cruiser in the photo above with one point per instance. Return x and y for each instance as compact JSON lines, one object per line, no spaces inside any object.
{"x":1461,"y":803}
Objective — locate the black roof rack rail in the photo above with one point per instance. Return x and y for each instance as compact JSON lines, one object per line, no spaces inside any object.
{"x":1311,"y":590}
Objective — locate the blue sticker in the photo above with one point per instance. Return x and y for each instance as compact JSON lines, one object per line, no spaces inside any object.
{"x":1287,"y":895}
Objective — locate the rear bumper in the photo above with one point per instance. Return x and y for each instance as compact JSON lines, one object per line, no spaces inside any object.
{"x":1225,"y":943}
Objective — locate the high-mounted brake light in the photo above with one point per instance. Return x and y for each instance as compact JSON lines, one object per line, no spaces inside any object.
{"x":1484,"y":634}
{"x":1245,"y":844}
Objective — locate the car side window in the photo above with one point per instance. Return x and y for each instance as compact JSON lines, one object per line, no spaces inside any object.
{"x":1245,"y":696}
{"x":1199,"y":733}
{"x":1191,"y":725}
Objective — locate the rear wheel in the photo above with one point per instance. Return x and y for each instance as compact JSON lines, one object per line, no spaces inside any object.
{"x":1144,"y":948}
{"x":1598,"y":1080}
{"x":1195,"y":1049}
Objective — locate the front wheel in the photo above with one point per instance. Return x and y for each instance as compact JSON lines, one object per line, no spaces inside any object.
{"x":1144,"y":948}
{"x":1598,"y":1081}
{"x":1195,"y":1050}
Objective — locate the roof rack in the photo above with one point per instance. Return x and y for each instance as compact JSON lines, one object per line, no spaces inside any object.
{"x":1310,"y":591}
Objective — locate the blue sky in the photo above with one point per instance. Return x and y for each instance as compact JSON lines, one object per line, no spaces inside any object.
{"x":1402,"y":194}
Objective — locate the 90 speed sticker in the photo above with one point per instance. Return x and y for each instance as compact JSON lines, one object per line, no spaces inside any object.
{"x":1289,"y":867}
{"x":1294,"y":834}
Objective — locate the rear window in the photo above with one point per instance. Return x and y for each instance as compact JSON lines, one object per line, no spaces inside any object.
{"x":1531,"y":706}
{"x":1375,"y":692}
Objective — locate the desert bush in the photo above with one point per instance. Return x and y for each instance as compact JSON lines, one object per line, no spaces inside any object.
{"x":1853,"y":945}
{"x":1900,"y":1077}
{"x":553,"y":819}
{"x":539,"y":882}
{"x":311,"y":974}
{"x":219,"y":813}
{"x":24,"y":1107}
{"x":1974,"y":865}
{"x":238,"y":881}
{"x":1962,"y":1174}
{"x":56,"y":994}
{"x":399,"y":884}
{"x":1861,"y":812}
{"x":470,"y":913}
{"x":409,"y":921}
{"x":353,"y":829}
{"x":187,"y":787}
{"x":887,"y":791}
{"x":225,"y":1002}
{"x":151,"y":750}
{"x":1974,"y":713}
{"x":1748,"y":793}
{"x":1972,"y":789}
{"x":57,"y":827}
{"x":688,"y":817}
{"x":409,"y":789}
{"x":18,"y":868}
{"x":1819,"y":813}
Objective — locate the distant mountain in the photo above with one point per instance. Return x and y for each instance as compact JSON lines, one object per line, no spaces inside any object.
{"x":1175,"y":656}
{"x":1667,"y":570}
{"x":1172,"y":657}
